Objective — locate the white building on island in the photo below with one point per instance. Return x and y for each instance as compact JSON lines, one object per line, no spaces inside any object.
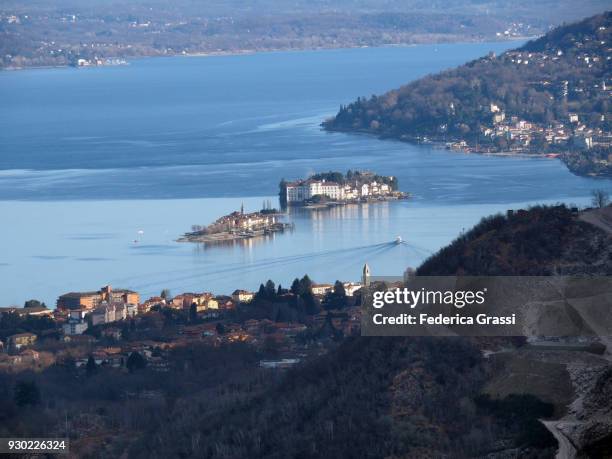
{"x":303,"y":190}
{"x":307,"y":189}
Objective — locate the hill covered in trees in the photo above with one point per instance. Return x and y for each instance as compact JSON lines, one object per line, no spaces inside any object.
{"x":370,"y":398}
{"x":551,"y":95}
{"x":541,"y":241}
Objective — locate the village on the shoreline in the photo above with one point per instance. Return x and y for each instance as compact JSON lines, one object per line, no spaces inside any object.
{"x":512,"y":135}
{"x":112,"y":327}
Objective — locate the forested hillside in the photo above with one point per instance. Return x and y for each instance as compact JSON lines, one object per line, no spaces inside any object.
{"x":370,"y":398}
{"x":541,"y":241}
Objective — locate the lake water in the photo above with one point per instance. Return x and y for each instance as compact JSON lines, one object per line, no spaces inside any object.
{"x":91,"y":157}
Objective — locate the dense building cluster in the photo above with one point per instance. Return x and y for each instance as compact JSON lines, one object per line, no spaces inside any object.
{"x":108,"y":325}
{"x":517,"y":135}
{"x":335,"y":186}
{"x":241,"y":221}
{"x":303,"y":190}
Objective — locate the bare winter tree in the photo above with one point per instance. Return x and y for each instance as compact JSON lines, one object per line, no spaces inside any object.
{"x":600,"y":198}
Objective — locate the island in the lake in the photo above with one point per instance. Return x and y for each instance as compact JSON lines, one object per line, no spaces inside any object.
{"x":550,"y":97}
{"x":328,"y":189}
{"x":238,"y":226}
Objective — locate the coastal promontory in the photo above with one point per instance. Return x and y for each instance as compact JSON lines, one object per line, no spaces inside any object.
{"x":551,"y":96}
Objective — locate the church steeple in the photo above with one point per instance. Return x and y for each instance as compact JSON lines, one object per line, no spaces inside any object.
{"x":242,"y":209}
{"x":365,"y":276}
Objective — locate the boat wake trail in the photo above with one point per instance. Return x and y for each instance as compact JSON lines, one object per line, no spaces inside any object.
{"x":211,"y":272}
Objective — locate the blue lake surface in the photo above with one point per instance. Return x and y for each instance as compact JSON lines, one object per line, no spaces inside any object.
{"x":90,"y":157}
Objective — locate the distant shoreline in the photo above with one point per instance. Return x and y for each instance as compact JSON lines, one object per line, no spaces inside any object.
{"x":247,"y":52}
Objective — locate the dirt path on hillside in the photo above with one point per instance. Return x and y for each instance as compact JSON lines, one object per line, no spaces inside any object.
{"x":566,"y":449}
{"x":601,"y":218}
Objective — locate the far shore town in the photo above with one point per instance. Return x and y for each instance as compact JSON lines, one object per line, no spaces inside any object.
{"x":515,"y":135}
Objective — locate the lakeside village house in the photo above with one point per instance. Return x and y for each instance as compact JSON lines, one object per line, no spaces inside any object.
{"x":203,"y":301}
{"x":91,"y":300}
{"x":303,"y":190}
{"x":103,"y":306}
{"x":83,"y":309}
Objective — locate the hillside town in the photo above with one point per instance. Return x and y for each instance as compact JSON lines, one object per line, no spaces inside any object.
{"x":582,"y":139}
{"x":515,"y":135}
{"x":109,"y":325}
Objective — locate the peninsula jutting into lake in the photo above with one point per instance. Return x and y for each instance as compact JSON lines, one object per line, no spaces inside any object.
{"x":548,"y":97}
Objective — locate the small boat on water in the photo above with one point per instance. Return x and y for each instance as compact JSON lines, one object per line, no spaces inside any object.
{"x":398,"y":240}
